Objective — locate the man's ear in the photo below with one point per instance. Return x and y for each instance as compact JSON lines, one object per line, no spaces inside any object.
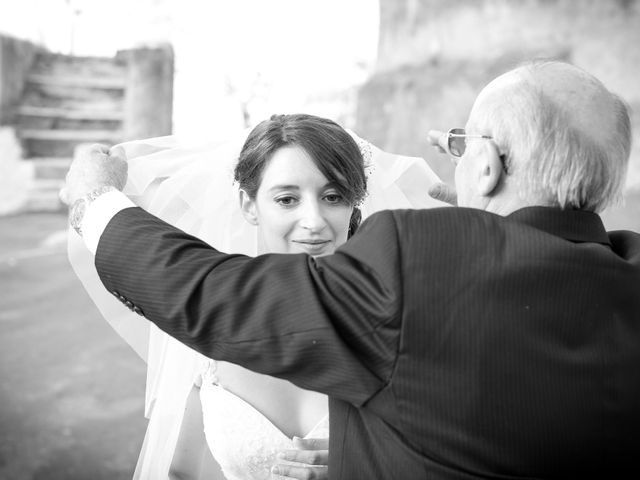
{"x":248,"y":207}
{"x":490,"y":170}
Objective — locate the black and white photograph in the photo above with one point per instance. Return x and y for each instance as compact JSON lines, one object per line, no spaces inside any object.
{"x":319,"y":239}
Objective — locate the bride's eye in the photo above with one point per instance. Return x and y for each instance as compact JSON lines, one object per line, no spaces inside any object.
{"x":286,"y":200}
{"x":334,"y":198}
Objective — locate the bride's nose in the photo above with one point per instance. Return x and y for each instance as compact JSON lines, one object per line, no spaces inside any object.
{"x":312,"y":217}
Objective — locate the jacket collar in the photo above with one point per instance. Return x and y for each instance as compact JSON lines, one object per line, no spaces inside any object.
{"x":573,"y":225}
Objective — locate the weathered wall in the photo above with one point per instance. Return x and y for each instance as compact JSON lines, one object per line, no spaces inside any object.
{"x":148,"y":105}
{"x":436,"y":55}
{"x":16,"y":176}
{"x":16,"y":57}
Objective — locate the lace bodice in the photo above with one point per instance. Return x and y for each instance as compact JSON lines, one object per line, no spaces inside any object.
{"x":242,"y":440}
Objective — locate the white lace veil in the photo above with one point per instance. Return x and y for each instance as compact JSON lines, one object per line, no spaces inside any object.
{"x":193,"y":189}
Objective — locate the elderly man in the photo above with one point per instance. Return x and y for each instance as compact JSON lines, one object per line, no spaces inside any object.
{"x":498,"y":340}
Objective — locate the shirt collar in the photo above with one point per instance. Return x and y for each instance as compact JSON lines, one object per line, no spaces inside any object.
{"x":573,"y":225}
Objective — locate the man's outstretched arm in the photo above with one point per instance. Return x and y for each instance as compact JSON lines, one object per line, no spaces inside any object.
{"x":318,"y":323}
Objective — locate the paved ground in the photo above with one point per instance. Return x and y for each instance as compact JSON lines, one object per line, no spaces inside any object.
{"x":71,"y":392}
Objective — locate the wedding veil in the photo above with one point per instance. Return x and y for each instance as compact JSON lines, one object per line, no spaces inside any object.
{"x":192,"y":188}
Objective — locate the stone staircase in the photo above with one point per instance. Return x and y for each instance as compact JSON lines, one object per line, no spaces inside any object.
{"x":67,"y":101}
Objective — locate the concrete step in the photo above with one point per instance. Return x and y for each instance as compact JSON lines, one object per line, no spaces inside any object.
{"x":43,"y":196}
{"x":65,"y":65}
{"x":83,"y":99}
{"x":49,"y":168}
{"x":76,"y":81}
{"x":62,"y":143}
{"x":70,"y":114}
{"x":42,"y":123}
{"x":48,"y":184}
{"x":72,"y":135}
{"x":56,"y":96}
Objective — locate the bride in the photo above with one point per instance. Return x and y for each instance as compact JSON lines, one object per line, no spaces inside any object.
{"x":295,"y":184}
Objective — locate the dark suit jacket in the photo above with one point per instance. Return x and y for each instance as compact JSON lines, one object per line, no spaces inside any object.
{"x":453,"y":343}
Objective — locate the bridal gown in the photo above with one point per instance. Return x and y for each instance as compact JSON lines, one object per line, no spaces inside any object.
{"x":242,"y":440}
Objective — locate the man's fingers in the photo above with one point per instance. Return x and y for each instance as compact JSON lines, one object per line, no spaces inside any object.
{"x":105,"y":165}
{"x":438,"y":139}
{"x":93,"y":167}
{"x":99,"y":148}
{"x":311,"y":443}
{"x":301,"y":473}
{"x":118,"y":152}
{"x":98,"y":153}
{"x":312,"y":452}
{"x":444,"y":193}
{"x":309,"y":457}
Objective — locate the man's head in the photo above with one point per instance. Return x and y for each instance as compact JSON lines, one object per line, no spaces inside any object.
{"x":558,"y":137}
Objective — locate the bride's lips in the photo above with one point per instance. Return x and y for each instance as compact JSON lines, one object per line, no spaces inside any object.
{"x":312,"y":246}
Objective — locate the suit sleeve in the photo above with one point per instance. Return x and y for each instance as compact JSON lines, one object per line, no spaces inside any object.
{"x":329,"y":324}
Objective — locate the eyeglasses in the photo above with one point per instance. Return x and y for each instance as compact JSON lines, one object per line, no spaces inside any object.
{"x":457,"y":141}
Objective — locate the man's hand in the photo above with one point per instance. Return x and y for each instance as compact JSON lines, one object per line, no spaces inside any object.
{"x":94,"y":168}
{"x":312,"y":455}
{"x":438,"y":140}
{"x":441,"y":191}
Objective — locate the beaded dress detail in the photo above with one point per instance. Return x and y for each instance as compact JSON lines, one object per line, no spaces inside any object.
{"x":242,"y":440}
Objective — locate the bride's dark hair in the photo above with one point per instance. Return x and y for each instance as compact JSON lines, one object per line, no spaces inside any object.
{"x":332,"y":149}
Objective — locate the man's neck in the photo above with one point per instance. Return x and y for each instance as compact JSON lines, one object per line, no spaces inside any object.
{"x":506,"y":203}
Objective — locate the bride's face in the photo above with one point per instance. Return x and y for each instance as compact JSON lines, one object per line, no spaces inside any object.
{"x":296,"y":209}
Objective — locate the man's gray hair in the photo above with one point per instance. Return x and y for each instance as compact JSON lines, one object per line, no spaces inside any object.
{"x":554,"y":162}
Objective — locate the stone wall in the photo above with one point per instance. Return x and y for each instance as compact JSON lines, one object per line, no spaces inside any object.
{"x":16,"y":57}
{"x":148,"y":105}
{"x":16,"y":176}
{"x":436,"y":55}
